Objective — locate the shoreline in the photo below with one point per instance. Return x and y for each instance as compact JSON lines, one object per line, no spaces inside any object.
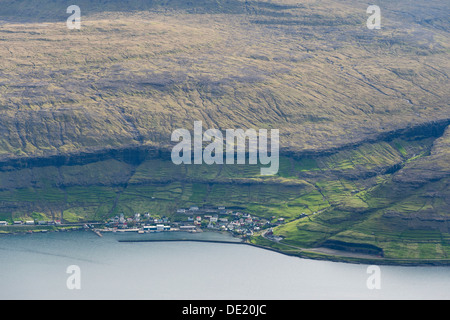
{"x":303,"y":253}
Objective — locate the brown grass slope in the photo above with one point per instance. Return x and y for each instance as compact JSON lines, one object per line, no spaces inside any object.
{"x":312,"y":70}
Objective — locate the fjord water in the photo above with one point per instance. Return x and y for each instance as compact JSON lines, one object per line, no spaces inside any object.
{"x":34,"y":267}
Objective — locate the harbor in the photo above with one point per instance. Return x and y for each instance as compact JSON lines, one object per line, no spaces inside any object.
{"x":192,"y":220}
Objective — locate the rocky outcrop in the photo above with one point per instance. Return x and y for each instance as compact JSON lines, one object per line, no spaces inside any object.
{"x":431,"y":168}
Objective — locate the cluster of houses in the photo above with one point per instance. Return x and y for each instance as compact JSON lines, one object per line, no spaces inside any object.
{"x":226,"y":220}
{"x":192,"y":219}
{"x":138,"y":220}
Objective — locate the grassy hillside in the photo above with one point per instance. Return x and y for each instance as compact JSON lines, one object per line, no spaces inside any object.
{"x":354,"y":197}
{"x":362,"y":114}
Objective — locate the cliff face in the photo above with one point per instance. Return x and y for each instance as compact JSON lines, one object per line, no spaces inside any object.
{"x":431,"y":168}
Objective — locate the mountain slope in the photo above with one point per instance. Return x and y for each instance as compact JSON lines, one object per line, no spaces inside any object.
{"x":314,"y":71}
{"x":86,"y":115}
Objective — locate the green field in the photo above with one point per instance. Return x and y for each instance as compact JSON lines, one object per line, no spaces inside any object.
{"x":332,"y":200}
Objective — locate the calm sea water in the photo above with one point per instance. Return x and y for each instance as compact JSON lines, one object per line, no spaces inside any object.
{"x":34,"y":267}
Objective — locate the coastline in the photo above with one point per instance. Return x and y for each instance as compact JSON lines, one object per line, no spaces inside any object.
{"x":110,"y":269}
{"x":303,"y":253}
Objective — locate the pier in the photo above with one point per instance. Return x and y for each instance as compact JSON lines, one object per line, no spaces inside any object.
{"x":181,"y":240}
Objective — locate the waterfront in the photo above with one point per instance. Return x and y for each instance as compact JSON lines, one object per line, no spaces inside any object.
{"x":34,"y":267}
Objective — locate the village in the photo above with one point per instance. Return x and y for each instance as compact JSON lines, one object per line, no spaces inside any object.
{"x":192,"y":219}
